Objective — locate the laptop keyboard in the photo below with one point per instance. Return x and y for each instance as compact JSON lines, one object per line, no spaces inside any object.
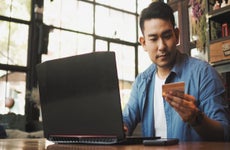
{"x":84,"y":140}
{"x":99,"y":140}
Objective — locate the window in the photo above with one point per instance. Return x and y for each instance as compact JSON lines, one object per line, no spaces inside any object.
{"x":12,"y":85}
{"x":101,"y":45}
{"x":143,"y":59}
{"x":16,"y":9}
{"x":15,"y":18}
{"x":81,"y":26}
{"x":71,"y":14}
{"x":129,"y":5}
{"x":115,"y":24}
{"x":13,"y":43}
{"x":74,"y":27}
{"x":65,"y":43}
{"x":125,"y":57}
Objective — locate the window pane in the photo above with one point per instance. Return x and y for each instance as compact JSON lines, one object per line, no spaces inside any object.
{"x":19,"y":9}
{"x":84,"y":44}
{"x":125,"y":59}
{"x":13,"y":87}
{"x":101,"y":45}
{"x":193,"y":36}
{"x":143,"y":60}
{"x":142,"y":4}
{"x":64,"y":44}
{"x":13,"y":43}
{"x":129,"y":5}
{"x":115,"y":24}
{"x":198,"y":54}
{"x":176,"y":18}
{"x":71,"y":14}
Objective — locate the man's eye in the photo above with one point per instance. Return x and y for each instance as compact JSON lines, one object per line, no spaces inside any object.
{"x":153,"y":39}
{"x":167,"y":36}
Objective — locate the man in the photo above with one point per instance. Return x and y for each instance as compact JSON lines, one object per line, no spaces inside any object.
{"x":200,"y":113}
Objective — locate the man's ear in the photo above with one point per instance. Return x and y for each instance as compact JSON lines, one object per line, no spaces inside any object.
{"x":142,"y":41}
{"x":177,"y":34}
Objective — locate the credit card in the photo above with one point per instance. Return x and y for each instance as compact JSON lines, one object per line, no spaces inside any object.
{"x":175,"y":87}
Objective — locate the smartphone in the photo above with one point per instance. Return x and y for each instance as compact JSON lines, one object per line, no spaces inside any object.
{"x":161,"y":142}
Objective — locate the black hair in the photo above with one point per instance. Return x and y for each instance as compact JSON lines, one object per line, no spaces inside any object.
{"x":159,"y":10}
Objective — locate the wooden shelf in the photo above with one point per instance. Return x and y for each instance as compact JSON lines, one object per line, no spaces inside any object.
{"x":219,"y":48}
{"x":220,"y":39}
{"x":220,"y":15}
{"x":220,"y":51}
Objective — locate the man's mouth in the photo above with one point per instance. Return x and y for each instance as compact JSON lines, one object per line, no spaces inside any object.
{"x":161,"y":55}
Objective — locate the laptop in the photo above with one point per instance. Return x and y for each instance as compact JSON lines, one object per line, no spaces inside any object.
{"x":80,"y":100}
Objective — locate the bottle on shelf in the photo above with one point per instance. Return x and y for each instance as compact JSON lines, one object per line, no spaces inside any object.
{"x":225,"y":30}
{"x":224,"y":3}
{"x":217,"y":5}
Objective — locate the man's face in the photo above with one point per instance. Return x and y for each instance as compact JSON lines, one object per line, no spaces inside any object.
{"x":160,"y":40}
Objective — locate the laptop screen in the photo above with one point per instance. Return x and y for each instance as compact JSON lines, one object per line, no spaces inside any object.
{"x":80,"y":96}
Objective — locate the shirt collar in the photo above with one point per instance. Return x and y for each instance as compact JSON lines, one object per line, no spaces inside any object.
{"x":178,"y":66}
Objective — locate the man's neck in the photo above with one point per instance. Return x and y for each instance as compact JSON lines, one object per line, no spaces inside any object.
{"x":163,"y":73}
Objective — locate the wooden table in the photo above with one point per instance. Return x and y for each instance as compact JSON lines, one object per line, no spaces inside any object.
{"x":43,"y":144}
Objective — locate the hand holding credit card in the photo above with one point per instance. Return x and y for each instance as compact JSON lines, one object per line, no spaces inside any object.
{"x":175,"y":87}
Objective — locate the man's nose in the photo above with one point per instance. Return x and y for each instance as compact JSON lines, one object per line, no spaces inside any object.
{"x":161,"y":44}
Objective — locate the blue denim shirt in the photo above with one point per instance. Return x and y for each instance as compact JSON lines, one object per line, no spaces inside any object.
{"x":201,"y":80}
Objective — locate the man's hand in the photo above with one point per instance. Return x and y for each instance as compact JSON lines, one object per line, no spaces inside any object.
{"x":185,"y":105}
{"x":126,"y":129}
